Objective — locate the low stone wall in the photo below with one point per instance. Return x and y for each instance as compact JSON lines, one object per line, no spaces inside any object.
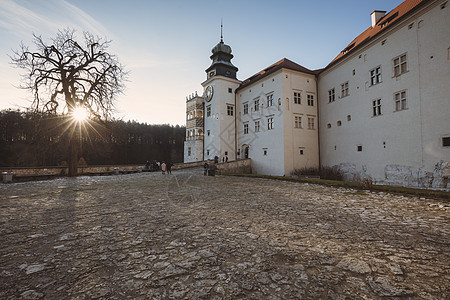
{"x":239,"y":166}
{"x":62,"y":171}
{"x":243,"y":166}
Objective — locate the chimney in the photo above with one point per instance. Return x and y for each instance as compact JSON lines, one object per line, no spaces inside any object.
{"x":376,"y":16}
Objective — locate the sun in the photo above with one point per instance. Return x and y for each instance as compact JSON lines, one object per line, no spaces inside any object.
{"x":79,"y":114}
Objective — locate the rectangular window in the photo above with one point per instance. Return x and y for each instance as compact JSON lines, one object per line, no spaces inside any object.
{"x":189,"y":151}
{"x":297,"y":98}
{"x":245,"y":128}
{"x":245,"y":108}
{"x":257,"y":126}
{"x":376,"y":107}
{"x":208,"y":132}
{"x":311,"y":123}
{"x":331,"y":95}
{"x":400,"y":65}
{"x":302,"y":150}
{"x":400,"y":100}
{"x":310,"y":100}
{"x":264,"y":151}
{"x":297,"y":121}
{"x":344,"y":89}
{"x":270,"y":123}
{"x":208,"y":111}
{"x":446,"y":141}
{"x":359,"y":148}
{"x":230,"y":90}
{"x":375,"y":76}
{"x":269,"y":100}
{"x":230,"y":110}
{"x":256,"y":104}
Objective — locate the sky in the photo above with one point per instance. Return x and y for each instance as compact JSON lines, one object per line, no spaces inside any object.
{"x":166,"y":45}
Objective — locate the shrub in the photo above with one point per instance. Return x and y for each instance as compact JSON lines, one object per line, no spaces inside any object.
{"x":330,"y":173}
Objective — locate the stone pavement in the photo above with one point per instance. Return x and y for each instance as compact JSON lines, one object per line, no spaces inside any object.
{"x":186,"y":236}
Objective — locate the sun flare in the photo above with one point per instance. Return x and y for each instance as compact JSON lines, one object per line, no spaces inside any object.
{"x":80,"y":114}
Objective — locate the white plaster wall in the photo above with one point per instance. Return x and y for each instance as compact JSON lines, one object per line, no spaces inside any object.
{"x":409,"y":138}
{"x":196,"y":151}
{"x":221,"y":126}
{"x":272,"y":140}
{"x":294,"y":138}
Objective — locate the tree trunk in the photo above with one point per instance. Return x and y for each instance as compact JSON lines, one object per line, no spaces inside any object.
{"x":73,"y":156}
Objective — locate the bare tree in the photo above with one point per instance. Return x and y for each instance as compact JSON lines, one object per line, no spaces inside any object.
{"x":64,"y":75}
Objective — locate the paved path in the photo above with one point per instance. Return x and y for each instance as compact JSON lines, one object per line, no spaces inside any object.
{"x":185,"y":236}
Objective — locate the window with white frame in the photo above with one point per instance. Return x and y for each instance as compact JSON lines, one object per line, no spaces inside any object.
{"x":270,"y":123}
{"x":256,"y":107}
{"x":310,"y":100}
{"x":400,"y":64}
{"x":376,"y":107}
{"x":245,"y":108}
{"x":257,"y":126}
{"x":311,"y":122}
{"x":230,"y":110}
{"x":344,"y":89}
{"x":297,"y":121}
{"x":297,"y":98}
{"x":400,"y":100}
{"x":270,"y":100}
{"x":245,"y":128}
{"x":331,"y":95}
{"x":375,"y":76}
{"x":208,"y":111}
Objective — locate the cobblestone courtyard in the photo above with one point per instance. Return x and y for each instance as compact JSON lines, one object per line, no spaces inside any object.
{"x":186,"y":236}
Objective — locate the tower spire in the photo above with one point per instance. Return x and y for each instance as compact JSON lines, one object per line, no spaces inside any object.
{"x":221,"y":31}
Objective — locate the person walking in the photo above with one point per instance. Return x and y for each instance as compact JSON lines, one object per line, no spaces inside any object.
{"x":163,"y":168}
{"x":169,"y":167}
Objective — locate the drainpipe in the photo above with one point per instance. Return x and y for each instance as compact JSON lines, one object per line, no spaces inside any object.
{"x":318,"y":120}
{"x":235,"y":125}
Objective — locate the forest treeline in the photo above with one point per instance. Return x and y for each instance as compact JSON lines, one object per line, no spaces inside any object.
{"x":30,"y":140}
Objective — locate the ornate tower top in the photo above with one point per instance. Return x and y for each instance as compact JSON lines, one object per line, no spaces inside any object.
{"x":221,"y":60}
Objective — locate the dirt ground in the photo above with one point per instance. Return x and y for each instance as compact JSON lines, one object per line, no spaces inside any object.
{"x":186,"y":236}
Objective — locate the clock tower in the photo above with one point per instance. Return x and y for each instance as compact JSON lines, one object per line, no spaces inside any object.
{"x":220,"y":105}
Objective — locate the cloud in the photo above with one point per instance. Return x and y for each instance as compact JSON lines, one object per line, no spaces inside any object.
{"x":21,"y":18}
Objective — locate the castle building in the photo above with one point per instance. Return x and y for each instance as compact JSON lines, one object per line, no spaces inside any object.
{"x":380,"y":110}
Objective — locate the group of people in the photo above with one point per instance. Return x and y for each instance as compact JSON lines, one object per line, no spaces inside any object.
{"x":156,"y":165}
{"x":166,"y":167}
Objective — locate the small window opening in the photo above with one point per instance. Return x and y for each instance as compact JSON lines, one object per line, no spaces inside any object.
{"x":349,"y":117}
{"x":446,"y":141}
{"x":265,"y":151}
{"x":230,"y":90}
{"x":328,"y":125}
{"x":339,"y":123}
{"x":359,"y":148}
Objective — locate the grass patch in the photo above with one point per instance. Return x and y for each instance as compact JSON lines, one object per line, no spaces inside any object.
{"x":356,"y":185}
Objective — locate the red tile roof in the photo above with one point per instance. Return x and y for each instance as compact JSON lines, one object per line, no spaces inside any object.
{"x":284,"y":63}
{"x":385,"y":22}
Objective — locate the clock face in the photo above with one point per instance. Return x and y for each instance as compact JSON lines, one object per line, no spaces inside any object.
{"x":209,"y":93}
